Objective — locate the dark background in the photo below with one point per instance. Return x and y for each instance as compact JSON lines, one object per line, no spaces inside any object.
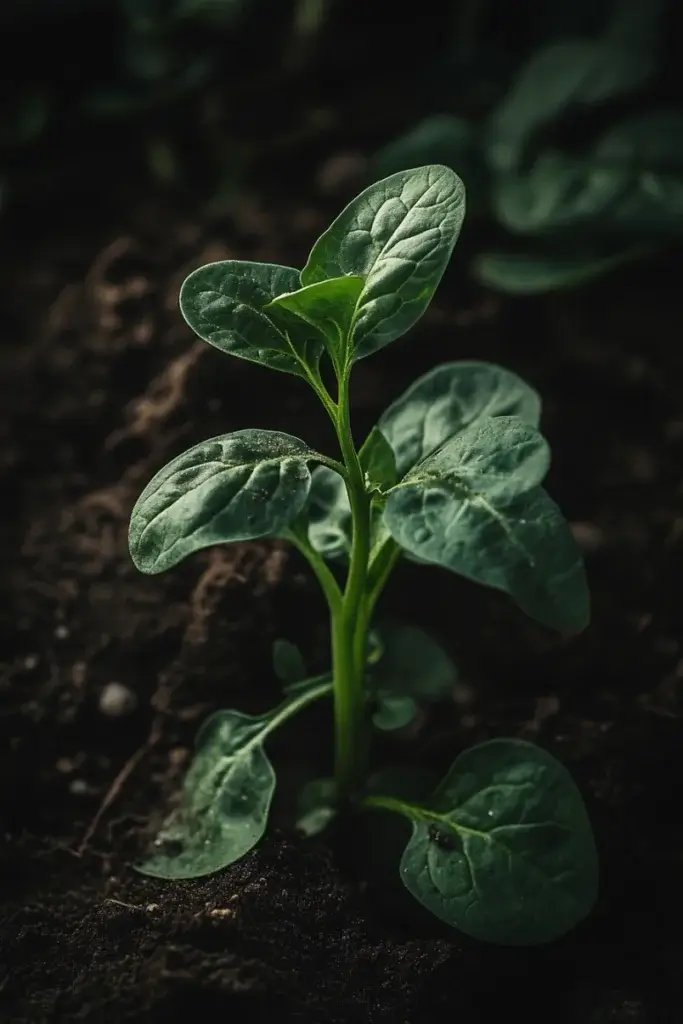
{"x":138,"y":141}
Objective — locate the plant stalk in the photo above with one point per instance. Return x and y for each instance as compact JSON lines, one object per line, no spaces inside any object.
{"x":350,"y":624}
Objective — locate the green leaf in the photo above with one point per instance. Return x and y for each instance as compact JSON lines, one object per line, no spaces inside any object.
{"x":288,"y":662}
{"x":329,"y":514}
{"x":223,"y":303}
{"x":226,"y":795}
{"x":317,"y":806}
{"x":476,"y":507}
{"x":328,"y":306}
{"x":394,"y":713}
{"x":411,"y":664}
{"x":535,"y":273}
{"x":504,"y":850}
{"x":398,"y":235}
{"x":559,"y":191}
{"x":554,"y":81}
{"x":378,"y":462}
{"x":239,"y":486}
{"x":449,"y":398}
{"x":226,"y":800}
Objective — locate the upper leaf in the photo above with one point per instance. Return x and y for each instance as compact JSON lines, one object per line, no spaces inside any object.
{"x":328,"y":306}
{"x":239,"y":486}
{"x":329,"y":514}
{"x":504,"y":849}
{"x":449,"y":398}
{"x":476,"y":507}
{"x":226,"y":800}
{"x":223,"y":303}
{"x":398,"y":235}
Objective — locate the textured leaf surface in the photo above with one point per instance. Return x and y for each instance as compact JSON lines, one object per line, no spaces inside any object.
{"x":239,"y":486}
{"x":504,"y":850}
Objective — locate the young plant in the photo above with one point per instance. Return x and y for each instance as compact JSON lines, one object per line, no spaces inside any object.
{"x":451,"y":475}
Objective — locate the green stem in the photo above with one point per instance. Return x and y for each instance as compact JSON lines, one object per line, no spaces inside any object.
{"x":292,"y":707}
{"x":421,"y":814}
{"x":350,"y":625}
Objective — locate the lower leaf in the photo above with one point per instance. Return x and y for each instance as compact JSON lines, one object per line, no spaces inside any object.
{"x":504,"y":849}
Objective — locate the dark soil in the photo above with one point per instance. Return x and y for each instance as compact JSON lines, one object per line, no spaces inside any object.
{"x":101,"y":384}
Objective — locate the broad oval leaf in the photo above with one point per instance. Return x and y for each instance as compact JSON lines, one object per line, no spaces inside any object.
{"x":398,"y":235}
{"x":226,"y":800}
{"x":449,"y":398}
{"x":554,"y":81}
{"x":476,"y":507}
{"x":328,"y":306}
{"x":393,"y":713}
{"x":239,"y":486}
{"x":504,"y":849}
{"x":223,"y":303}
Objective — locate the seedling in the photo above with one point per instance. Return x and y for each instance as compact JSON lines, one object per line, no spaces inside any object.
{"x":452,"y":476}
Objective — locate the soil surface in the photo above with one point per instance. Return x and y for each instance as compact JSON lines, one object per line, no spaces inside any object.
{"x":106,"y":674}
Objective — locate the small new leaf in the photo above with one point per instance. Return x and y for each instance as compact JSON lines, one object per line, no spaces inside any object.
{"x":224,"y":304}
{"x":398,"y":235}
{"x":393,"y":713}
{"x":329,"y":514}
{"x":226,"y":800}
{"x":476,"y":507}
{"x":411,"y":664}
{"x":504,"y":849}
{"x":288,"y":662}
{"x":328,"y":306}
{"x":451,"y":397}
{"x":378,"y":462}
{"x":239,"y":486}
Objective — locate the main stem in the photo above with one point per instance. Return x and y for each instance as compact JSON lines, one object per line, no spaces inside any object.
{"x":350,"y":623}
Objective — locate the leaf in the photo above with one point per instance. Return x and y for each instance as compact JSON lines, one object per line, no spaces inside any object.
{"x":378,"y":462}
{"x":239,"y":486}
{"x":223,"y":303}
{"x":476,"y":507}
{"x":288,"y":663}
{"x":226,"y":800}
{"x":394,"y":713}
{"x":328,"y":306}
{"x":535,"y":273}
{"x":329,"y":514}
{"x":504,"y":851}
{"x":317,"y":806}
{"x":451,"y":397}
{"x":556,"y":80}
{"x":398,"y":235}
{"x":559,"y":192}
{"x":411,"y":664}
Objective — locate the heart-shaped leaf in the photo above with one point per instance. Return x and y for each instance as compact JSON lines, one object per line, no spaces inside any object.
{"x":476,"y":507}
{"x":451,"y":397}
{"x":411,"y":664}
{"x":239,"y":486}
{"x":504,"y":849}
{"x":398,"y":235}
{"x":224,"y":304}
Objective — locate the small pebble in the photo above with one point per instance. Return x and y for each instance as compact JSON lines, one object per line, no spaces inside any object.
{"x":588,"y":536}
{"x":61,"y":632}
{"x":117,"y":700}
{"x":79,"y":787}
